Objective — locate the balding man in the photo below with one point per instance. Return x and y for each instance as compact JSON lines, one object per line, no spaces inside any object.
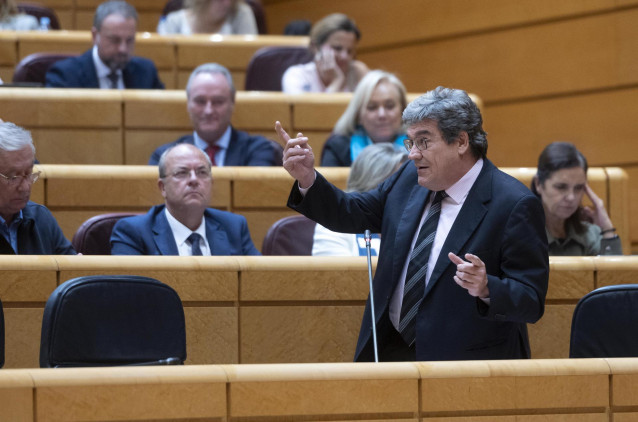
{"x":184,"y":225}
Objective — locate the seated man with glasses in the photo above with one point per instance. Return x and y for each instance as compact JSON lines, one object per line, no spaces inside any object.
{"x":27,"y":228}
{"x":184,"y":225}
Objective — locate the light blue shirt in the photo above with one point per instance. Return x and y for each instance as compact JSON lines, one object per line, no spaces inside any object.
{"x":223,"y":142}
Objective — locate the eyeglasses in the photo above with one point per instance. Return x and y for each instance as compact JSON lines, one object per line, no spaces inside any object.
{"x":184,"y":174}
{"x":421,"y":144}
{"x":16,"y":180}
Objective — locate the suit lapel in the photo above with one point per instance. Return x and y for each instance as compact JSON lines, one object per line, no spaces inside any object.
{"x":466,"y":222}
{"x":233,"y":152}
{"x":163,"y":235}
{"x":407,"y":227}
{"x":217,"y":238}
{"x":89,"y":74}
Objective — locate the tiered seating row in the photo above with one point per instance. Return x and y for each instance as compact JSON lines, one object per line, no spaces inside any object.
{"x":269,"y":309}
{"x":175,"y":56}
{"x":558,"y":390}
{"x":86,"y":126}
{"x":75,"y":193}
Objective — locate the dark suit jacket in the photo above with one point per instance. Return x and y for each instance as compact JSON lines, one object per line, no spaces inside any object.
{"x":501,"y":221}
{"x":150,"y":234}
{"x":243,"y":150}
{"x":38,"y":234}
{"x":79,"y":72}
{"x":336,"y":152}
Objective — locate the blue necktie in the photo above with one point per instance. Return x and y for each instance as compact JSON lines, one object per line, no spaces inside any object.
{"x":194,"y":241}
{"x":417,"y":270}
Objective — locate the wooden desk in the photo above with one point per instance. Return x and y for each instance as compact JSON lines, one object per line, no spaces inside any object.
{"x":270,"y":309}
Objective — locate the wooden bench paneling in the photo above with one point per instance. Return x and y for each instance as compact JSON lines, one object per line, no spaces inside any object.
{"x":558,"y":390}
{"x":75,"y":193}
{"x":270,"y":309}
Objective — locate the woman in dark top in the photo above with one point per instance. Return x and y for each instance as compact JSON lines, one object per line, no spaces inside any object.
{"x":372,"y":116}
{"x":561,"y":183}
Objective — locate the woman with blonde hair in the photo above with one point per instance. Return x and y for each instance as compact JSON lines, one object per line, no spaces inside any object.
{"x":333,"y":41}
{"x":372,"y":116}
{"x":11,"y":19}
{"x":210,"y":17}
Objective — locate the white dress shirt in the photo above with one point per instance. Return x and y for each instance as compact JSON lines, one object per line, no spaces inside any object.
{"x":103,"y":72}
{"x":181,"y":233}
{"x":450,"y":208}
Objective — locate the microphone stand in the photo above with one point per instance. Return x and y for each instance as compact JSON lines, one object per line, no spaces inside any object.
{"x":367,"y":236}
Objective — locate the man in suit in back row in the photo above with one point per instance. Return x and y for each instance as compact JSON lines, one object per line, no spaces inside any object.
{"x":184,"y":225}
{"x":463,"y":264}
{"x":210,"y":95}
{"x":110,"y":63}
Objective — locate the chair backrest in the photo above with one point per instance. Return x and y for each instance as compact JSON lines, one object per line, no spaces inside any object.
{"x":605,"y":323}
{"x":38,"y":11}
{"x":112,"y":320}
{"x":260,"y":15}
{"x":289,"y":236}
{"x":268,"y":65}
{"x":172,"y":6}
{"x":93,"y":237}
{"x":255,"y":5}
{"x":33,"y":68}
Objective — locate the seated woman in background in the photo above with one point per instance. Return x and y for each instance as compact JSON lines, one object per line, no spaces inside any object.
{"x":561,"y":182}
{"x":372,"y":116}
{"x":12,"y":20}
{"x":333,"y":41}
{"x":210,"y":17}
{"x":375,"y":164}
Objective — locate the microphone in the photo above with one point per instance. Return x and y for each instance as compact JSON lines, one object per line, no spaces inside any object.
{"x":367,"y":235}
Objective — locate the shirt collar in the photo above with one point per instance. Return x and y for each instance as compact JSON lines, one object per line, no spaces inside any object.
{"x":222,"y":142}
{"x":180,"y":231}
{"x":571,"y":236}
{"x":459,"y":191}
{"x":16,"y":218}
{"x":101,"y":69}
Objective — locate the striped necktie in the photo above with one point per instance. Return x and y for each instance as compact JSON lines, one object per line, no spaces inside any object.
{"x":194,"y":238}
{"x":417,"y":270}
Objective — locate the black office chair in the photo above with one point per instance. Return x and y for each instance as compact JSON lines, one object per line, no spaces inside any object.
{"x":33,"y":68}
{"x":93,"y":237}
{"x":112,"y":320}
{"x":268,"y":65}
{"x":38,"y":11}
{"x":293,"y":235}
{"x":605,"y":323}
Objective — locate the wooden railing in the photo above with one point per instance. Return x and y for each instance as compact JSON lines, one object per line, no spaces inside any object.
{"x":270,"y":309}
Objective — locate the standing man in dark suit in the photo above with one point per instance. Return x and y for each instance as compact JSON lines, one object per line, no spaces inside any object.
{"x":110,"y":63}
{"x":210,"y":95}
{"x":463,"y":264}
{"x":184,"y":225}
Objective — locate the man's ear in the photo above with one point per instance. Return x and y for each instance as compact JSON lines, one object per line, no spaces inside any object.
{"x":94,"y":34}
{"x":160,"y":185}
{"x":463,"y":142}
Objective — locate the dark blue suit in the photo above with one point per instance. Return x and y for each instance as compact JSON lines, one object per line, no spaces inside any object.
{"x":501,"y":222}
{"x":150,"y":234}
{"x":79,"y":72}
{"x":243,"y":150}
